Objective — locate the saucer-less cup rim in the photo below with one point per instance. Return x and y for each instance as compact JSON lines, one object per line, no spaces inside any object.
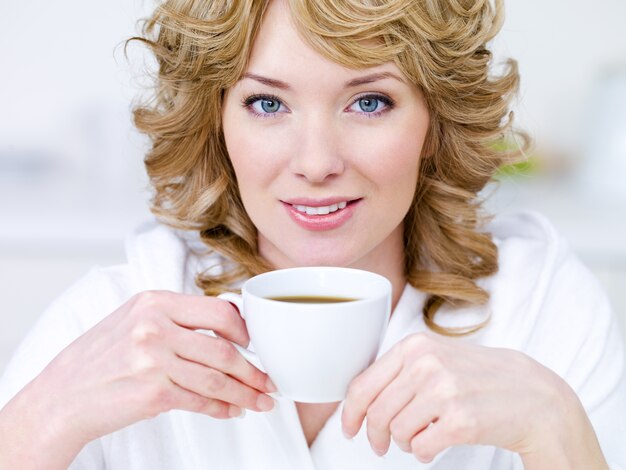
{"x":377,"y":286}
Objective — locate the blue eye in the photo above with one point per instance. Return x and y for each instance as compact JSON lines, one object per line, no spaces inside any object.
{"x":371,"y":104}
{"x":270,"y":106}
{"x":368,"y":105}
{"x":263,"y":105}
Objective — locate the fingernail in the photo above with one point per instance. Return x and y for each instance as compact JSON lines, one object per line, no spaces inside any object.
{"x":269,"y":386}
{"x":379,"y":452}
{"x":405,"y":448}
{"x":236,"y":412}
{"x":264,"y":403}
{"x":347,"y":435}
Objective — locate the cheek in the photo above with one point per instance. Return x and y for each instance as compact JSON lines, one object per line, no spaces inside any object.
{"x":241,"y":143}
{"x":392,"y":157}
{"x":253,"y":158}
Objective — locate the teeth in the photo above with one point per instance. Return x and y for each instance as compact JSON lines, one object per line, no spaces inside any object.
{"x":323,"y":210}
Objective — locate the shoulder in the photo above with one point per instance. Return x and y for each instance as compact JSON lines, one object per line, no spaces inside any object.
{"x":530,"y":253}
{"x":157,"y":258}
{"x":537,"y":268}
{"x":160,"y":257}
{"x":519,"y":234}
{"x":546,"y":302}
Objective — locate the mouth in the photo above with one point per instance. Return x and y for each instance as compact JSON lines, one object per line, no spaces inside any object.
{"x":321,"y":214}
{"x":320,"y":210}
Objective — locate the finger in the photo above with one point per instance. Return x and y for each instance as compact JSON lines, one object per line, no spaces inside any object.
{"x":219,"y":354}
{"x":187,"y":400}
{"x":411,"y":421}
{"x":391,"y":401}
{"x":149,"y":398}
{"x":213,"y":314}
{"x":426,"y":444}
{"x":212,"y":383}
{"x":197,"y":312}
{"x":365,"y":388}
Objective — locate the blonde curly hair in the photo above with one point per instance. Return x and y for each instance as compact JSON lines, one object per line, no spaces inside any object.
{"x":202,"y":48}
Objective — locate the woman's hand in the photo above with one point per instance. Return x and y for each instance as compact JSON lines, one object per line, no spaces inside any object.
{"x":430,"y":393}
{"x":143,"y":359}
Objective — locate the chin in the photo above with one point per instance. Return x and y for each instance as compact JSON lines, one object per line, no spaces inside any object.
{"x":311,"y":252}
{"x":327,"y":259}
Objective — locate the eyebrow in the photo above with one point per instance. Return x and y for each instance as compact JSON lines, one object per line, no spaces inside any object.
{"x":268,"y":81}
{"x":371,"y":78}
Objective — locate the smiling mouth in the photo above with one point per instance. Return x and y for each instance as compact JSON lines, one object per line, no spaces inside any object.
{"x":320,"y":210}
{"x":320,"y":215}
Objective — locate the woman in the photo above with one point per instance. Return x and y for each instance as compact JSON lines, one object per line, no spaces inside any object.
{"x":294,"y":133}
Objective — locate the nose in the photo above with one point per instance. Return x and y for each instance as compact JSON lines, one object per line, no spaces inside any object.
{"x":318,"y":157}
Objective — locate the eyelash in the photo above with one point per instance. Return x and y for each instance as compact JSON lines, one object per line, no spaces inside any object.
{"x":389,"y":104}
{"x":250,"y":100}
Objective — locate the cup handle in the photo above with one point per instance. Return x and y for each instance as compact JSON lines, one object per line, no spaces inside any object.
{"x":250,"y":356}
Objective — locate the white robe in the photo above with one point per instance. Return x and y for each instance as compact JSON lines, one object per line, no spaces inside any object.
{"x":544,"y":302}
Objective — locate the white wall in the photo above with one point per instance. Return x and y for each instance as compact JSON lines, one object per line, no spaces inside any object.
{"x":71,"y":181}
{"x":71,"y":177}
{"x":564,"y":48}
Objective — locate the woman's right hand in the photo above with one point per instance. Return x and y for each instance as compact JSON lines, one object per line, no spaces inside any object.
{"x":146,"y":358}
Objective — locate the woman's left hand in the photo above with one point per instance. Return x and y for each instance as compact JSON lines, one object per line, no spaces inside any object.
{"x":429,"y":393}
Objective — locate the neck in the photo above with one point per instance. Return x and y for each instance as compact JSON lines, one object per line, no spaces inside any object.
{"x":388,"y":260}
{"x":394,"y":271}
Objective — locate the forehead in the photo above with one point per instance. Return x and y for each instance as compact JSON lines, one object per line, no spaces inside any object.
{"x":278,"y":40}
{"x":280,"y":51}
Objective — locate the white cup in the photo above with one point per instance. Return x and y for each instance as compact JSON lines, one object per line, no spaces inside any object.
{"x":312,"y":351}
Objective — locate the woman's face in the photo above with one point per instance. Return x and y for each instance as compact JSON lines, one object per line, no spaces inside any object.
{"x":326,"y":157}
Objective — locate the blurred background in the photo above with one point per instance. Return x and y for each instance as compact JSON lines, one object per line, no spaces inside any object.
{"x":71,"y":177}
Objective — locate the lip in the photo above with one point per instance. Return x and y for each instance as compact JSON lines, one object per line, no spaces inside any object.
{"x":311,"y":202}
{"x":319,"y":223}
